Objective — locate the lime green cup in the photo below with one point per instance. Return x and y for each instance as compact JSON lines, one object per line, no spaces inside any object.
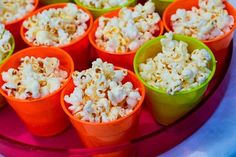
{"x":98,"y":12}
{"x":46,"y":2}
{"x":166,"y":108}
{"x":161,"y":5}
{"x":2,"y":99}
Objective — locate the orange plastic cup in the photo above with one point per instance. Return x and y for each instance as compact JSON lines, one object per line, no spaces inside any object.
{"x":78,"y":49}
{"x":43,"y":116}
{"x":217,"y":45}
{"x":110,"y":133}
{"x":12,"y":27}
{"x":124,"y":60}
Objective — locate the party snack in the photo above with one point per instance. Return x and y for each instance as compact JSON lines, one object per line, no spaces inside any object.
{"x":103,"y":4}
{"x":175,"y":69}
{"x":11,"y":10}
{"x":34,"y":78}
{"x":129,"y":30}
{"x":5,"y":45}
{"x":207,"y":22}
{"x":56,"y":27}
{"x":99,"y":94}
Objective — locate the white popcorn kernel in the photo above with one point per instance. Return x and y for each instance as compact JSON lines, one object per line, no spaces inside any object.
{"x":103,"y":97}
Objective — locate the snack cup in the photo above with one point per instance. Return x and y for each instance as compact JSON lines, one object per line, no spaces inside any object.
{"x":161,"y":5}
{"x":12,"y":27}
{"x":124,"y":60}
{"x":2,"y":99}
{"x":78,"y":49}
{"x":110,"y":133}
{"x":42,"y":116}
{"x":218,"y":45}
{"x":164,"y":107}
{"x":47,"y":2}
{"x":98,"y":12}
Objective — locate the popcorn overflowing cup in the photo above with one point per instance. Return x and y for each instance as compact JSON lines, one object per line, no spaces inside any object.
{"x":219,"y":44}
{"x":167,"y":106}
{"x":100,"y":11}
{"x":67,"y":29}
{"x":104,"y":128}
{"x":125,"y":57}
{"x":43,"y":116}
{"x":16,"y":22}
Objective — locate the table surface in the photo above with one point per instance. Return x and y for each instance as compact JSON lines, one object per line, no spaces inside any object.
{"x":217,"y":137}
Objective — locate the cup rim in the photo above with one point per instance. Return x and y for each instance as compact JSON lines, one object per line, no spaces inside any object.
{"x":11,"y":51}
{"x":12,"y":98}
{"x":91,"y":34}
{"x":168,"y":28}
{"x":26,"y":15}
{"x":57,"y":5}
{"x":138,"y":106}
{"x":105,"y":10}
{"x":158,"y":90}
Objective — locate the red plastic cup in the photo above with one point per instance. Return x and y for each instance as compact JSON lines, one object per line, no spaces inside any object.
{"x":110,"y":133}
{"x":124,"y":60}
{"x":78,"y":49}
{"x":42,"y":116}
{"x":12,"y":27}
{"x":217,"y":45}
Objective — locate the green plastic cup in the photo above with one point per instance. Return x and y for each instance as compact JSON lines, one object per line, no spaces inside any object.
{"x":46,"y":2}
{"x":98,"y":12}
{"x":12,"y":41}
{"x":161,"y":5}
{"x":165,"y":108}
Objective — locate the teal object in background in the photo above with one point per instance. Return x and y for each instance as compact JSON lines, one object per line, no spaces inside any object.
{"x":161,"y":5}
{"x":166,"y":108}
{"x":98,"y":12}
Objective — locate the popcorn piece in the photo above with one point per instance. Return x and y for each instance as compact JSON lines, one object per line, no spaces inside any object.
{"x":5,"y":44}
{"x":100,"y":95}
{"x":34,"y":78}
{"x":11,"y":10}
{"x":56,"y":27}
{"x":207,"y":22}
{"x":103,"y":4}
{"x":129,"y":30}
{"x":174,"y":69}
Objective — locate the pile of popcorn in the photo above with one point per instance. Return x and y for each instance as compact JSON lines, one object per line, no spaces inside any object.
{"x":56,"y":27}
{"x":207,"y":22}
{"x":99,"y":94}
{"x":11,"y":10}
{"x":103,"y":4}
{"x":175,"y":69}
{"x":34,"y":78}
{"x":5,"y":42}
{"x":129,"y":30}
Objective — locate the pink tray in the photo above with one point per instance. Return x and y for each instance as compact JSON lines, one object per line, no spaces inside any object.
{"x":151,"y":139}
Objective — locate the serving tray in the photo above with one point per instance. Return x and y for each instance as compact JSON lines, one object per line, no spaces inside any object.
{"x":150,"y":140}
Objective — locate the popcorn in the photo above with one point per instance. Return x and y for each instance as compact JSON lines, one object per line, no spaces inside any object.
{"x":207,"y":22}
{"x":5,"y":44}
{"x":34,"y":78}
{"x":11,"y":10}
{"x":99,"y":94}
{"x":174,"y":69}
{"x":56,"y":27}
{"x":129,"y":30}
{"x":103,"y":4}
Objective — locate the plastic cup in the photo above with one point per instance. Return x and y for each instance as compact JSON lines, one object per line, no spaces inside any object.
{"x":124,"y":60}
{"x":110,"y":133}
{"x":217,"y":45}
{"x":2,"y":99}
{"x":12,"y":27}
{"x":42,"y":116}
{"x":98,"y":12}
{"x":78,"y":49}
{"x":161,"y":5}
{"x":165,"y":108}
